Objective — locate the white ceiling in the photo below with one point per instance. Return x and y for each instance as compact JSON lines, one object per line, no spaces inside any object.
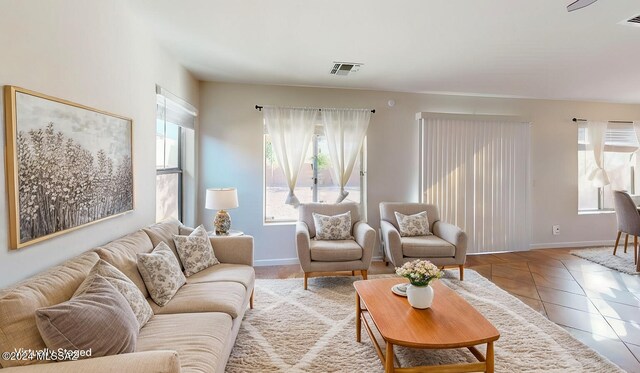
{"x":516,"y":48}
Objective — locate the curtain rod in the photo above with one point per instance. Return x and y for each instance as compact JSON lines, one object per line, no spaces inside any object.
{"x":611,"y":121}
{"x":259,"y":108}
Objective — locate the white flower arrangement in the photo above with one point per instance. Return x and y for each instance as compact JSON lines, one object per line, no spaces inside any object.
{"x":419,"y":272}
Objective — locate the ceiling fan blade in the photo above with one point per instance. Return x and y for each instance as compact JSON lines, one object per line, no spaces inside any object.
{"x":579,"y":4}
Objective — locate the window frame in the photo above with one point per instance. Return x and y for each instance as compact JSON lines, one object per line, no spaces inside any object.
{"x":314,"y":145}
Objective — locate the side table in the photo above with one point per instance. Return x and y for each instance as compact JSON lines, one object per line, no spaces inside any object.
{"x":231,"y":233}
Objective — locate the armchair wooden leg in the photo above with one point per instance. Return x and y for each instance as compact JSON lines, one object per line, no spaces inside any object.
{"x":364,"y":274}
{"x":615,"y":248}
{"x":461,"y":272}
{"x":306,"y":277}
{"x":353,"y":273}
{"x":251,"y":299}
{"x":626,"y":240}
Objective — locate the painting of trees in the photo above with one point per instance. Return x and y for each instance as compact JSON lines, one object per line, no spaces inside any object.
{"x":74,"y":166}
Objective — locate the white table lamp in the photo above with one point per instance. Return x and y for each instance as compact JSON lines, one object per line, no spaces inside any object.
{"x":221,"y":199}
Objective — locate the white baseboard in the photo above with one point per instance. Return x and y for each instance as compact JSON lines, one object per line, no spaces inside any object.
{"x":285,"y":261}
{"x":554,"y":245}
{"x":275,"y":262}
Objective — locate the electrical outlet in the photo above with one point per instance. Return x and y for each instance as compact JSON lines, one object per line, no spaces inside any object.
{"x":556,"y":230}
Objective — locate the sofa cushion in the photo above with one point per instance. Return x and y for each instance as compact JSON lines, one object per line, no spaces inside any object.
{"x":122,"y":252}
{"x":99,"y":320}
{"x":163,"y":232}
{"x":225,"y":272}
{"x":227,"y":297}
{"x":123,"y":284}
{"x":161,"y":273}
{"x":18,"y":304}
{"x":195,"y":251}
{"x":413,"y":225}
{"x":199,"y":338}
{"x":333,"y":227}
{"x":427,"y":247}
{"x":335,"y":251}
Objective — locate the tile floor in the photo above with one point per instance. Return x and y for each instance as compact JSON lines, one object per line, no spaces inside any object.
{"x":599,"y":306}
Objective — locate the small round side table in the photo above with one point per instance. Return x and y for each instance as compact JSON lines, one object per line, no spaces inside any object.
{"x":231,"y":233}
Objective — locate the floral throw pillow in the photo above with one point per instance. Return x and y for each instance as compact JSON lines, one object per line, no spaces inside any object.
{"x":413,"y":225}
{"x":336,"y":227}
{"x":161,"y":273}
{"x":195,"y":251}
{"x":123,"y":285}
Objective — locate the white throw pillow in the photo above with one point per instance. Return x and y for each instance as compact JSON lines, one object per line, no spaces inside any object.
{"x":336,"y":227}
{"x":413,"y":225}
{"x":195,"y":251}
{"x":161,"y":273}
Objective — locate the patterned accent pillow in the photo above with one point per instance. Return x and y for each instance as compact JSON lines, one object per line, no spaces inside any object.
{"x":161,"y":273}
{"x":99,"y":319}
{"x":413,"y":225}
{"x":126,"y":287}
{"x":336,"y":227}
{"x":195,"y":251}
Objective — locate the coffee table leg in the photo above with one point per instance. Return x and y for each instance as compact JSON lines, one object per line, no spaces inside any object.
{"x":388,"y":359}
{"x":358,"y":317}
{"x":489,"y":357}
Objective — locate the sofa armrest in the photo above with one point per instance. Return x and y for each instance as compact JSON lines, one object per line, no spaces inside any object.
{"x":140,"y":362}
{"x":455,"y":236}
{"x":392,"y":243}
{"x":303,"y":244}
{"x":233,"y":250}
{"x":365,"y":236}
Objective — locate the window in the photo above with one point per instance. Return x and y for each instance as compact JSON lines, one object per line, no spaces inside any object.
{"x":168,"y":171}
{"x":174,"y":126}
{"x":315,"y":181}
{"x":620,"y":163}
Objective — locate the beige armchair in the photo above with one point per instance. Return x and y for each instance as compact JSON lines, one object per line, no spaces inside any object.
{"x":317,"y":256}
{"x":446,"y":247}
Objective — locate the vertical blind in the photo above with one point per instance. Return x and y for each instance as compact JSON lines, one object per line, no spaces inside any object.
{"x":477,"y":173}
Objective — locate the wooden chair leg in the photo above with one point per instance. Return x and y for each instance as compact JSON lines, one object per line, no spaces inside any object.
{"x":615,"y":248}
{"x":461,"y":272}
{"x":635,"y":249}
{"x":251,"y":299}
{"x":306,"y":277}
{"x":364,"y":274}
{"x":626,"y":240}
{"x":353,"y":273}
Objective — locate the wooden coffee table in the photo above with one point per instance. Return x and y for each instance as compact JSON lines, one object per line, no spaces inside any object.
{"x":451,"y":322}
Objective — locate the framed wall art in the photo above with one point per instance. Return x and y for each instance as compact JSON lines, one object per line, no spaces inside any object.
{"x":68,"y":165}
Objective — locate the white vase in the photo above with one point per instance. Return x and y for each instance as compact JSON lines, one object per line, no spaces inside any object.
{"x":420,"y":297}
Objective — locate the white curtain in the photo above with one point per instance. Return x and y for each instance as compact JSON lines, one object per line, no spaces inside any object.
{"x":345,"y":130}
{"x":291,"y":131}
{"x":477,"y":173}
{"x":596,"y":133}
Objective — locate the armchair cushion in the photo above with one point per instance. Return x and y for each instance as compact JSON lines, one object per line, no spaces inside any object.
{"x":336,"y":227}
{"x":426,"y":247}
{"x":335,"y":251}
{"x":413,"y":225}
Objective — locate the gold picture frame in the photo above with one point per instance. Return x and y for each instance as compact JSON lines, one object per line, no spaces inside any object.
{"x":68,"y":165}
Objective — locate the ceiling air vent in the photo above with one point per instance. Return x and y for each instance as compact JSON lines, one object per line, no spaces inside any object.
{"x":635,"y":21}
{"x":345,"y":68}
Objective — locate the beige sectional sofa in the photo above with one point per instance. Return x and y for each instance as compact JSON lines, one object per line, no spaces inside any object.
{"x":194,"y":332}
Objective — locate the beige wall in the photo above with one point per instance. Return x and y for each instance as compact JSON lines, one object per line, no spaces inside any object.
{"x":94,"y":53}
{"x":231,"y":155}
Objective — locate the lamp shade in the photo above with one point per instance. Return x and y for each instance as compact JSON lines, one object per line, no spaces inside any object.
{"x":221,"y":198}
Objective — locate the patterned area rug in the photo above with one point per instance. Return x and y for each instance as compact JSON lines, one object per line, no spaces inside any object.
{"x":293,"y":330}
{"x":604,"y":256}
